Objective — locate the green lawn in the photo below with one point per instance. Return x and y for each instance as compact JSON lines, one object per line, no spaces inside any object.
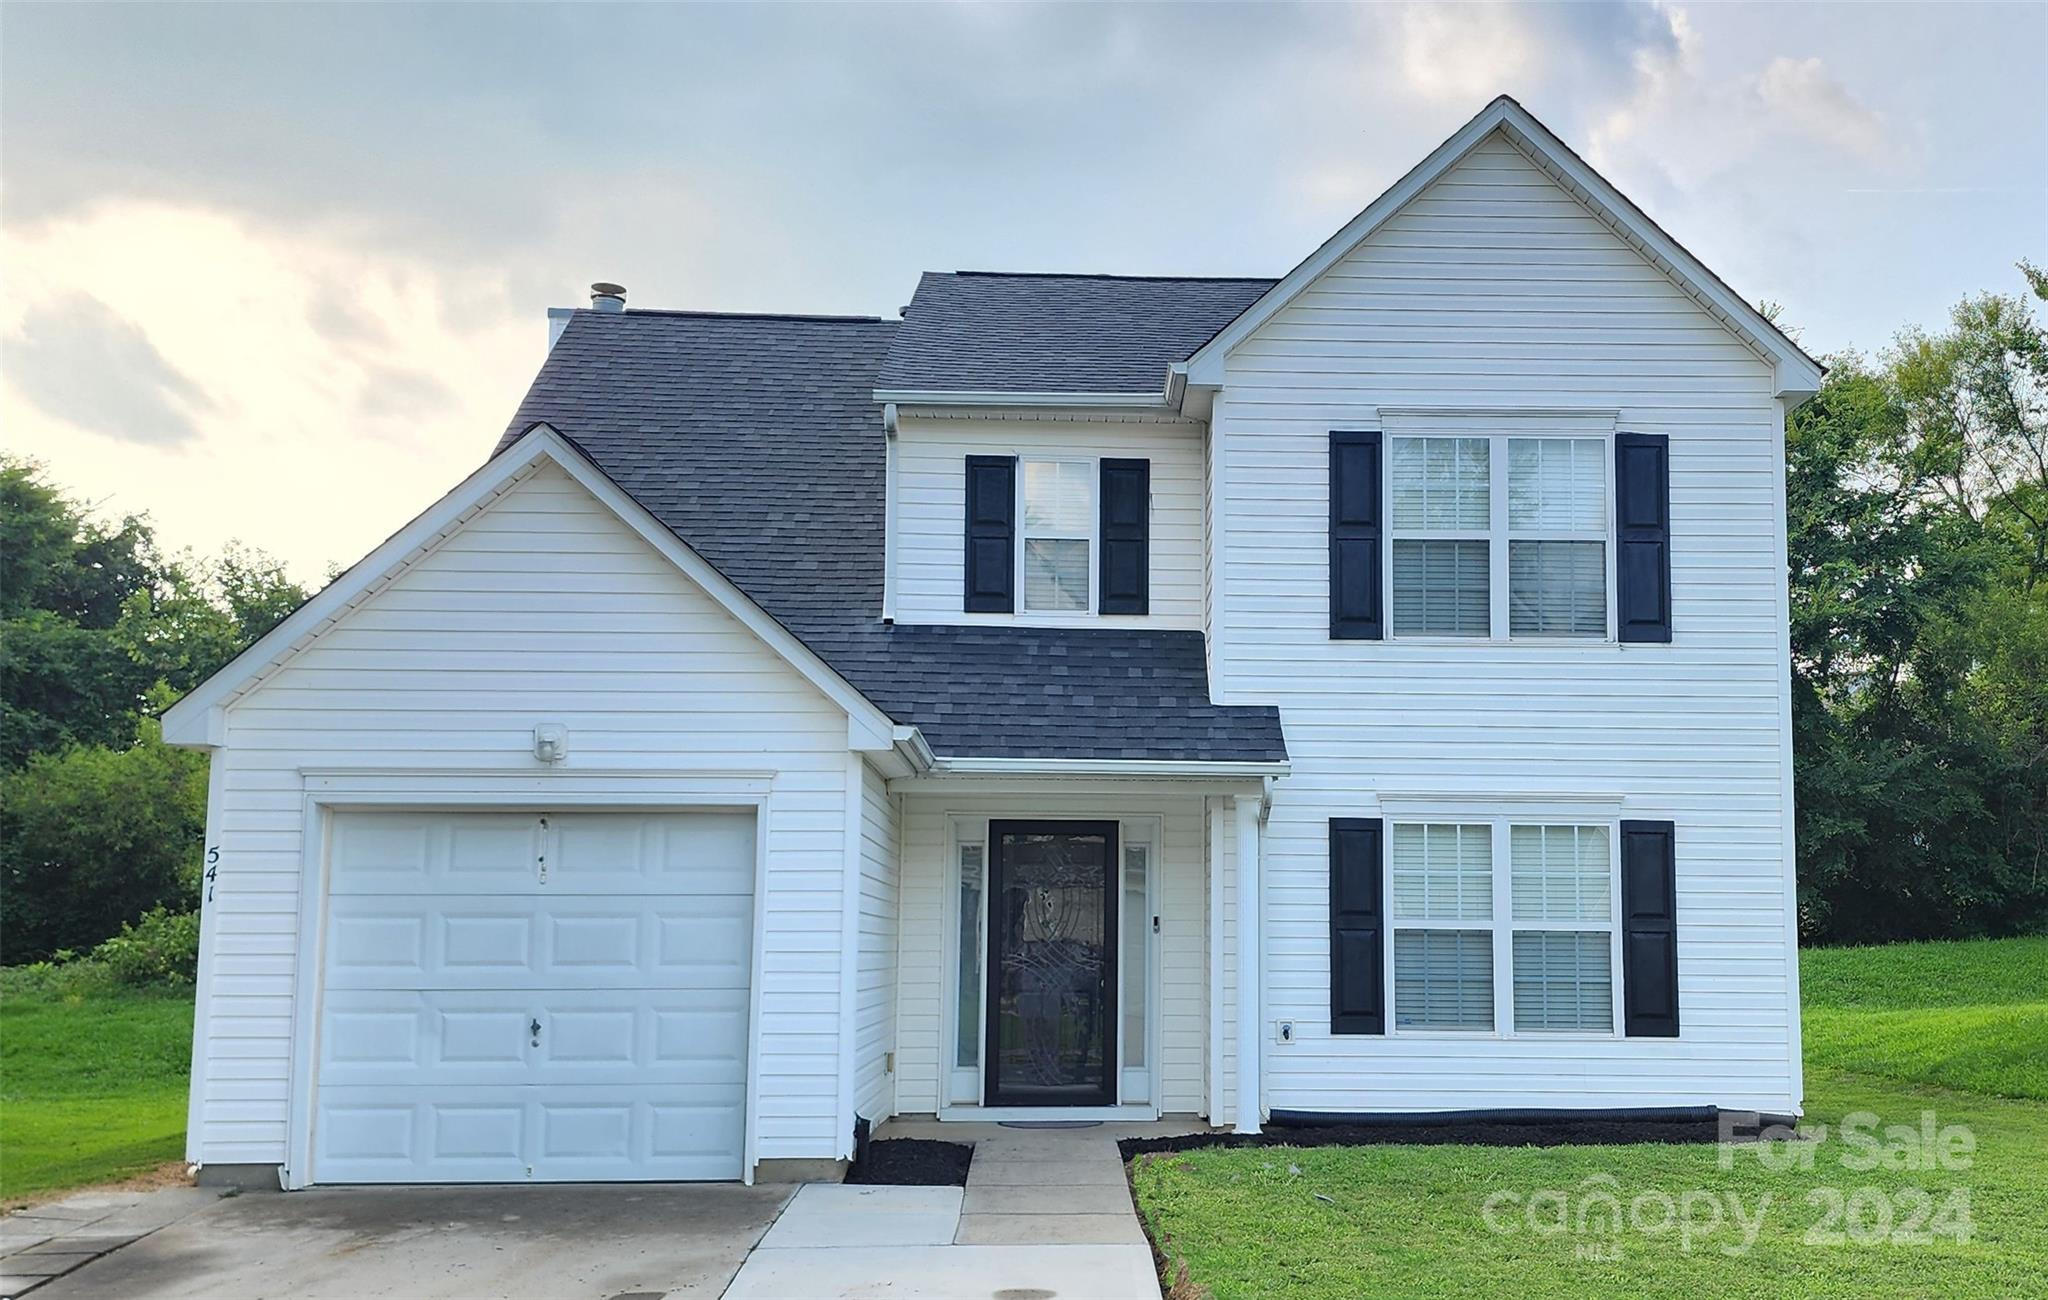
{"x":1883,"y":1026}
{"x":91,"y":1088}
{"x":1969,"y":1016}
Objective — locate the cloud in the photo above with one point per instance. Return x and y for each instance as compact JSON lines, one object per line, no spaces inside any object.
{"x":1465,"y":53}
{"x":79,"y":360}
{"x":1804,"y":97}
{"x":312,"y":449}
{"x":396,"y":391}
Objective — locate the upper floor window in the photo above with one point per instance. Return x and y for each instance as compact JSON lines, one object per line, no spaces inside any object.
{"x":1499,"y":536}
{"x":1058,"y":535}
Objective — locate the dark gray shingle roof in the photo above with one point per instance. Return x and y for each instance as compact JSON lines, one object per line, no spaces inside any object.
{"x":757,"y":440}
{"x":982,"y":331}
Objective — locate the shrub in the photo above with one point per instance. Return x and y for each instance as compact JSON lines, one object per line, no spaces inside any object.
{"x":91,"y":838}
{"x":160,"y":949}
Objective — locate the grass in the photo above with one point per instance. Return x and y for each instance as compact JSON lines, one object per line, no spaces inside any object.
{"x":92,"y":1087}
{"x":1968,"y":1016}
{"x":1884,"y":1026}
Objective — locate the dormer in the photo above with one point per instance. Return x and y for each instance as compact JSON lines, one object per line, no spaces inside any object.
{"x":1040,"y":471}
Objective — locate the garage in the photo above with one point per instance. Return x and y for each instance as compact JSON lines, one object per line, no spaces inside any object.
{"x":534,"y":996}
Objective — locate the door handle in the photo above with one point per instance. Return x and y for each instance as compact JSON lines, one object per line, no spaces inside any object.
{"x":534,"y":1029}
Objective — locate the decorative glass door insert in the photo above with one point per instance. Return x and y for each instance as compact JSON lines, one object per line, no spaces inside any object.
{"x":1052,"y":938}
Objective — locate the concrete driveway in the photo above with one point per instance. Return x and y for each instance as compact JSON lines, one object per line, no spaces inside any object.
{"x":562,"y":1242}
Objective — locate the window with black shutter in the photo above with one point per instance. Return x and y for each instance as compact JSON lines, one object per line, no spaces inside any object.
{"x":1642,"y":536}
{"x":1355,"y":585}
{"x":1357,"y":926}
{"x":1649,"y":929}
{"x":1126,"y":528}
{"x":991,"y":524}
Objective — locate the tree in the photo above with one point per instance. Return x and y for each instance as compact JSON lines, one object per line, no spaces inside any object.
{"x":68,"y":673}
{"x":98,"y":629}
{"x":100,"y":821}
{"x":92,"y":837}
{"x":1920,"y":635}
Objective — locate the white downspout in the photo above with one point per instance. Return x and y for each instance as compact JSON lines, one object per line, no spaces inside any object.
{"x":889,"y":513}
{"x":1250,"y":1016}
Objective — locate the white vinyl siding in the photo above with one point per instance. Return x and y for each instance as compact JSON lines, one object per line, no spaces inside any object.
{"x":542,"y":607}
{"x":875,"y":998}
{"x":931,"y":486}
{"x":1497,"y":297}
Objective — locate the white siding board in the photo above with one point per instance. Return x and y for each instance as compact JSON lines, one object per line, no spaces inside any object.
{"x":1495,"y":288}
{"x":931,"y":458}
{"x":449,"y":666}
{"x":875,"y":1008}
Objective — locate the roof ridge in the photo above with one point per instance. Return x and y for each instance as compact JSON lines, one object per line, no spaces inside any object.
{"x":738,"y":315}
{"x":1101,"y":275}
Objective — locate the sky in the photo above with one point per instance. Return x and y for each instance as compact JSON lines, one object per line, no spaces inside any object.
{"x":279,"y":273}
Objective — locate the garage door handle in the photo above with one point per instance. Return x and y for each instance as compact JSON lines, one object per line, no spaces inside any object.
{"x":534,"y":1029}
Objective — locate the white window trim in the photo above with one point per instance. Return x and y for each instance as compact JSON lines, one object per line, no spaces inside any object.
{"x":1502,"y":925}
{"x":963,"y":832}
{"x":1149,"y":831}
{"x":1497,"y":535}
{"x":1094,"y":537}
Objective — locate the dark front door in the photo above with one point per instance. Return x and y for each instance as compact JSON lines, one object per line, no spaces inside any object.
{"x":1052,"y":964}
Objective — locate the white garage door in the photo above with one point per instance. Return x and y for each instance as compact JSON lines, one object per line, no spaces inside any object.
{"x":527,"y":996}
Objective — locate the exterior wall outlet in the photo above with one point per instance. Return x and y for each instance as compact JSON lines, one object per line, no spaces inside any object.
{"x":1283,"y":1031}
{"x":888,"y":1063}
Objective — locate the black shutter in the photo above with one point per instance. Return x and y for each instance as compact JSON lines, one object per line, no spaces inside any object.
{"x":1649,"y":929}
{"x":1126,"y":509}
{"x":1357,"y":1002}
{"x":991,"y":530}
{"x":1642,"y":536}
{"x":1355,"y":603}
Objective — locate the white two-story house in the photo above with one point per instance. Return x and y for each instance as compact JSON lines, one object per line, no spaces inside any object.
{"x":1360,"y":692}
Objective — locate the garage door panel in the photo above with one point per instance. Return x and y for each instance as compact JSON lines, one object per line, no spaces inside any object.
{"x":451,"y":1037}
{"x":674,"y":853}
{"x":459,"y":941}
{"x":376,"y":1135}
{"x":387,"y":853}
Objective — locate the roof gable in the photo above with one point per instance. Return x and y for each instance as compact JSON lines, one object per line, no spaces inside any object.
{"x":198,"y":718}
{"x":1797,"y":374}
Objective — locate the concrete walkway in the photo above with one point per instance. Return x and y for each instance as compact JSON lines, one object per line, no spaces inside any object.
{"x":1046,"y":1213}
{"x":48,"y":1241}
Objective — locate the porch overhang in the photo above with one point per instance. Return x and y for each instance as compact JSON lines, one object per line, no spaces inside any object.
{"x":982,"y":772}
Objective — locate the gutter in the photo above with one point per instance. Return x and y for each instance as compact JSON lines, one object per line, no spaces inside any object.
{"x":909,"y":745}
{"x":1110,"y":767}
{"x":986,"y":397}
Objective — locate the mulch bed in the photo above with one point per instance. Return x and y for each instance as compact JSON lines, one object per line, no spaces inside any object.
{"x":913,"y":1162}
{"x":1558,"y":1133}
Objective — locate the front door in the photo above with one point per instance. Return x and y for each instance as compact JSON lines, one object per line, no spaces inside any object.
{"x":1052,"y":964}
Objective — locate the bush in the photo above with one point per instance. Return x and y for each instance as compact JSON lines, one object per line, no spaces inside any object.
{"x":160,"y":949}
{"x":91,"y":838}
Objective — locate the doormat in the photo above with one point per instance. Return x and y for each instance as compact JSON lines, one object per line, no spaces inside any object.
{"x":1050,"y":1123}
